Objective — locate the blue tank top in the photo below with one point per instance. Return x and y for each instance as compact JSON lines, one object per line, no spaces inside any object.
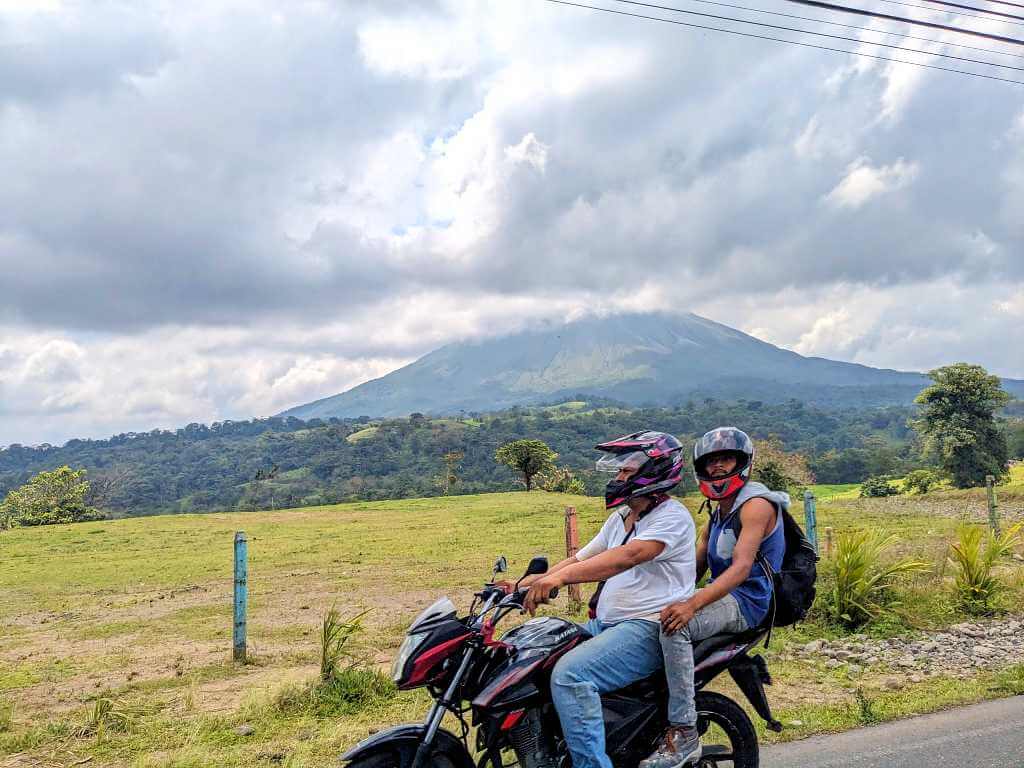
{"x":755,"y":594}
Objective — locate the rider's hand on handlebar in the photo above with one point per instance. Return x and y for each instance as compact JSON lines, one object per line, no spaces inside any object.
{"x":508,"y":586}
{"x":541,"y":591}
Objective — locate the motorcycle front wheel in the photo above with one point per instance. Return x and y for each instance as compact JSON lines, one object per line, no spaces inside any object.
{"x":400,"y":757}
{"x":727,"y":736}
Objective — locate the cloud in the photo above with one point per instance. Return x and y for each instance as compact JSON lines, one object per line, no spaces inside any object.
{"x":863,"y":182}
{"x":209,"y":213}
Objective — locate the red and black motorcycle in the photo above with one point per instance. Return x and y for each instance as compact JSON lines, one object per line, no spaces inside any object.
{"x":501,"y":686}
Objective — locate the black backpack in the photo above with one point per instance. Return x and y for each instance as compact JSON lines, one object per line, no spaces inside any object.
{"x":794,"y":583}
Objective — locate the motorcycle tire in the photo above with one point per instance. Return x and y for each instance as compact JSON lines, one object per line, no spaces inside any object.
{"x":399,"y":758}
{"x":728,"y":716}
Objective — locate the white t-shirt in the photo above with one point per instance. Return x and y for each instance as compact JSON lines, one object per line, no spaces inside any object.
{"x":643,"y":590}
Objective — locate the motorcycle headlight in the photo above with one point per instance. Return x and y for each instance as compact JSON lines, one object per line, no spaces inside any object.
{"x":408,"y":647}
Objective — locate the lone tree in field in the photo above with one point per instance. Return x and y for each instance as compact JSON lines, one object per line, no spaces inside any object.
{"x":958,"y":423}
{"x":527,"y":457}
{"x":49,"y":498}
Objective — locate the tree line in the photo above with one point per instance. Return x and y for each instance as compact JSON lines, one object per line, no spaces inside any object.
{"x":284,"y":462}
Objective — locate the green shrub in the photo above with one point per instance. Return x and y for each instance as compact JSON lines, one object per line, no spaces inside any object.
{"x":105,"y":715}
{"x":975,"y":555}
{"x":49,"y":498}
{"x":861,"y":579}
{"x":921,"y":481}
{"x":878,"y":486}
{"x":347,"y":683}
{"x":351,"y":691}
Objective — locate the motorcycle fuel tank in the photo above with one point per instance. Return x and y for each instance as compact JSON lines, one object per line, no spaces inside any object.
{"x":534,"y":648}
{"x":544,"y":633}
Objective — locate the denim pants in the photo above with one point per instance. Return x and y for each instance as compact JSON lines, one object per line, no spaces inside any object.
{"x":617,"y":655}
{"x":720,"y":616}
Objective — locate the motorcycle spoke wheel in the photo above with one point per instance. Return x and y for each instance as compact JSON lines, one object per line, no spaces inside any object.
{"x":727,"y":736}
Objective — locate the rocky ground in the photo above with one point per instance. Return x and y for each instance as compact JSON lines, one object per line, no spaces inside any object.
{"x":957,"y":650}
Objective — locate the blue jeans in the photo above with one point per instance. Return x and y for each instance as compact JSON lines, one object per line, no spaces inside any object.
{"x":618,"y":654}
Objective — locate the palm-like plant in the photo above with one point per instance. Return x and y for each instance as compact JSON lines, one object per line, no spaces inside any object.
{"x":335,"y":634}
{"x":862,"y":576}
{"x":975,"y":555}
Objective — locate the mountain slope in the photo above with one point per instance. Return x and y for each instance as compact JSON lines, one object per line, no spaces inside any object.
{"x":638,"y":359}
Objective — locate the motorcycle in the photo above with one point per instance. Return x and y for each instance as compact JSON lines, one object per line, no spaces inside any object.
{"x":500,"y":686}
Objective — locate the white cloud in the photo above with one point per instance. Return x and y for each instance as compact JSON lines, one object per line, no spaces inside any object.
{"x":864,"y":182}
{"x":387,"y":177}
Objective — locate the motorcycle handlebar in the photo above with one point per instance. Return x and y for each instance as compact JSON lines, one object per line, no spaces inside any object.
{"x":520,"y":594}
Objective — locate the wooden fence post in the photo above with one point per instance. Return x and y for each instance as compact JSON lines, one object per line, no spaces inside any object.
{"x":993,"y":517}
{"x":241,"y":594}
{"x":828,"y":541}
{"x":810,"y":515}
{"x":572,"y":546}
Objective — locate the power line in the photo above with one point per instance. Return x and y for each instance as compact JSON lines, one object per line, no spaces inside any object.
{"x":906,"y":19}
{"x":1002,"y":2}
{"x":974,"y":8}
{"x":816,"y":34}
{"x":854,"y":26}
{"x":936,"y":10}
{"x":998,"y":2}
{"x":677,"y":22}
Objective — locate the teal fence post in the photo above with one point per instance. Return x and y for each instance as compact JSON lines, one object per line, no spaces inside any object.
{"x":811,"y":516}
{"x":241,"y":594}
{"x":993,"y":515}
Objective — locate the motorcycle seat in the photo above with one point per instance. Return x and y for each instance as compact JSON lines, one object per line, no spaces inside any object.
{"x":704,"y":648}
{"x":655,"y":685}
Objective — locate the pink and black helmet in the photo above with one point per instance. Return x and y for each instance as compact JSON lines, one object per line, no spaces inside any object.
{"x":657,"y":458}
{"x":723,"y":440}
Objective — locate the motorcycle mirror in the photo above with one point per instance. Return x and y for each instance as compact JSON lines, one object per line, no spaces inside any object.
{"x":537,"y":565}
{"x":500,"y":565}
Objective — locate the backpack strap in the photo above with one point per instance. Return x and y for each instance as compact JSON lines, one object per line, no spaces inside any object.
{"x":658,"y":500}
{"x":594,"y":598}
{"x":760,"y":559}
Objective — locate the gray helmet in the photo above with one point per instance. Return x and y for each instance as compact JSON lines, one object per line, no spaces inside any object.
{"x":718,"y":440}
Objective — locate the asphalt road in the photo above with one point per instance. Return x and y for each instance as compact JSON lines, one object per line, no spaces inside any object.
{"x":989,"y":735}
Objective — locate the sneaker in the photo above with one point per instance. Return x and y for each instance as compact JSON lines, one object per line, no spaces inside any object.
{"x":678,"y":747}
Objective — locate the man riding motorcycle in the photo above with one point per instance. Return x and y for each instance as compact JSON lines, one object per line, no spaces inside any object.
{"x":746,"y":525}
{"x":644,"y":558}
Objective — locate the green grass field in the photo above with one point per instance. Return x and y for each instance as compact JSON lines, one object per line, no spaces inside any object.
{"x":138,"y":611}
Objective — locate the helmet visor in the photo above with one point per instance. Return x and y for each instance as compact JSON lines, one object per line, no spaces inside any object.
{"x":616,"y":462}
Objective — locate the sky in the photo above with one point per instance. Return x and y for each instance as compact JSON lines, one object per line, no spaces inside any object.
{"x":219,"y":210}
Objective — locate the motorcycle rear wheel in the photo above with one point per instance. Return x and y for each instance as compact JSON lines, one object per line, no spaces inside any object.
{"x":721,"y":719}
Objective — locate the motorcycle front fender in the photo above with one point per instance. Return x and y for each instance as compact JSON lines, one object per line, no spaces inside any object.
{"x":409,"y":736}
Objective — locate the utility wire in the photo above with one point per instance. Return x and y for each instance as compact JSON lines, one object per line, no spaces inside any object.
{"x":975,"y":8}
{"x":781,"y":28}
{"x":959,"y":13}
{"x":1002,"y":2}
{"x":855,"y":27}
{"x":907,"y":20}
{"x":677,"y":22}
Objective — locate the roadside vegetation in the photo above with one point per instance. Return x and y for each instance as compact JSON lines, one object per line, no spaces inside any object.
{"x":115,"y":636}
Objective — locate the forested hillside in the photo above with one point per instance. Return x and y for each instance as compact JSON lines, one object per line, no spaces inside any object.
{"x":282,"y":462}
